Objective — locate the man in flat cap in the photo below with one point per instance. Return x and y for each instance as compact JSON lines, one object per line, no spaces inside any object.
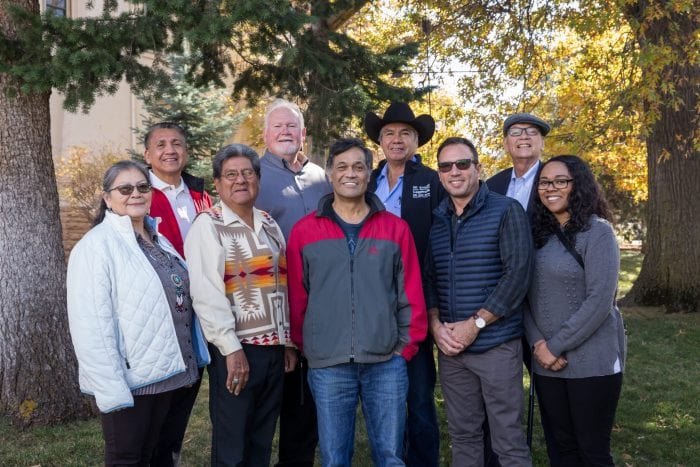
{"x":412,"y":191}
{"x":523,"y":139}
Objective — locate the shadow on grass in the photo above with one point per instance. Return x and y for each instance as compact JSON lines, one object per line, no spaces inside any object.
{"x":657,"y":421}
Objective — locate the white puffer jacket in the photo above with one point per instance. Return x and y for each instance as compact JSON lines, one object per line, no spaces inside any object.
{"x":120,"y":320}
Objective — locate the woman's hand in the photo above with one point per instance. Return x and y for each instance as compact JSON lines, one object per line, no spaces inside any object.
{"x":238,"y":372}
{"x":290,"y":359}
{"x":546,"y":358}
{"x":559,"y":364}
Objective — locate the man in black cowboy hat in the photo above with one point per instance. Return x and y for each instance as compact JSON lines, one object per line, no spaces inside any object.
{"x":411,"y":190}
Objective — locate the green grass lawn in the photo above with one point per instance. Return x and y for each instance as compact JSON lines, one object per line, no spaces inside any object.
{"x":657,"y":420}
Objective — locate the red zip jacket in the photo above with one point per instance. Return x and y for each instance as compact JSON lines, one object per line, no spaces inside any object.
{"x":354,"y":308}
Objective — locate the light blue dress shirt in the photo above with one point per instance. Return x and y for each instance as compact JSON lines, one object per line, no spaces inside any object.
{"x":520,"y":188}
{"x":391,"y":197}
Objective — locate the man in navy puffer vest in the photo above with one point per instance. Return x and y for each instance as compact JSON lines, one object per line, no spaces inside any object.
{"x":478,"y":272}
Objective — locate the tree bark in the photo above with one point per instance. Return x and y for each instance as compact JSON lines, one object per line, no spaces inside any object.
{"x":670,"y":273}
{"x":38,"y":370}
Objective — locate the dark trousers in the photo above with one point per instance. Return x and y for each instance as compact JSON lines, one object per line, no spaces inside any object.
{"x":167,"y":452}
{"x":581,"y":413}
{"x":298,"y":426}
{"x":547,"y":431}
{"x":422,"y":440}
{"x":131,"y":434}
{"x":243,"y":426}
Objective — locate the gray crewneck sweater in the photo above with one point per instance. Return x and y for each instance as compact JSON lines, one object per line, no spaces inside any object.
{"x":574,"y":310}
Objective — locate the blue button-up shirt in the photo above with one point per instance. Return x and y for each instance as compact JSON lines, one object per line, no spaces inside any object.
{"x":391,"y":197}
{"x":520,"y":187}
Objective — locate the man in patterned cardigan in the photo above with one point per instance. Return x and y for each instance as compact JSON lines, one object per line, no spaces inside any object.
{"x":236,"y":257}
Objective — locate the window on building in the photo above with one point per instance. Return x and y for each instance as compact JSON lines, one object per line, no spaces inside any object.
{"x":56,"y":7}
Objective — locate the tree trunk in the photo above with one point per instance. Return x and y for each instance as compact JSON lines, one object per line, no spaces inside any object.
{"x":670,"y":273}
{"x":38,"y":371}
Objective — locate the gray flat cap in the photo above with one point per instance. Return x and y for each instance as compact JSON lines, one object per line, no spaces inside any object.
{"x":526,"y":118}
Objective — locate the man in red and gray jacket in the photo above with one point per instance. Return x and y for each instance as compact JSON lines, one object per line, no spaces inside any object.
{"x":177,"y":198}
{"x":357,"y":309}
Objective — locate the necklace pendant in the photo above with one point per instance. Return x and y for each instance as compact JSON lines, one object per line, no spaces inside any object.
{"x":176,"y":280}
{"x":179,"y":292}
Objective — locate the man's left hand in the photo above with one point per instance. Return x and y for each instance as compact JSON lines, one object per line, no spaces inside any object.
{"x":465,"y":332}
{"x":290,"y":359}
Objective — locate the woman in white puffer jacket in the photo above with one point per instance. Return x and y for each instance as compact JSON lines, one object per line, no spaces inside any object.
{"x":131,"y":320}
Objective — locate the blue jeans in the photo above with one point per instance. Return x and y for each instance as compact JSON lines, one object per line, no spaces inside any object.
{"x":382,"y":388}
{"x":422,"y":431}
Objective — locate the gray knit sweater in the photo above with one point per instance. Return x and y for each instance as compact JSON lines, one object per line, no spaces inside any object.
{"x":574,"y":310}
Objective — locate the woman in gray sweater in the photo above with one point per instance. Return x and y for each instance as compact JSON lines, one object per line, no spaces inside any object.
{"x":574,"y":327}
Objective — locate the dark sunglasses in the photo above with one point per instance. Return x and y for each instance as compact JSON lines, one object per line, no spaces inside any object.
{"x":126,"y":190}
{"x":462,"y":164}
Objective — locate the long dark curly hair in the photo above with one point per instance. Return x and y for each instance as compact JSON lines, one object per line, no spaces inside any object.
{"x":585,"y":199}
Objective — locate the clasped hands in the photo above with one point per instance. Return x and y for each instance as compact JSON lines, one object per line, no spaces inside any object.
{"x":453,"y":338}
{"x":545,"y":358}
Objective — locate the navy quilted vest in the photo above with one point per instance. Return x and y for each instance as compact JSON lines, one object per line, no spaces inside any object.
{"x":468,"y":266}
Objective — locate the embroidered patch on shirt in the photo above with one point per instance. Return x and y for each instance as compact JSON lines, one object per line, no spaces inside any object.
{"x":421,"y":191}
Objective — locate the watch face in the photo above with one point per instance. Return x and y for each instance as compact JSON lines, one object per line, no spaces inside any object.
{"x":480,"y":322}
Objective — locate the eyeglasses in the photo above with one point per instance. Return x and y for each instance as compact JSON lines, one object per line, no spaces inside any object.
{"x":530,"y":131}
{"x":232,"y":175}
{"x":127,"y":190}
{"x":462,"y":164}
{"x":558,"y":183}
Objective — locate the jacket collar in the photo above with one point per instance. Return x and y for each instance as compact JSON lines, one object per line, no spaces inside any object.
{"x":260,"y":218}
{"x":325,"y":205}
{"x":280,"y":162}
{"x":192,"y":182}
{"x":411,"y":165}
{"x":445,"y":208}
{"x":123,"y":223}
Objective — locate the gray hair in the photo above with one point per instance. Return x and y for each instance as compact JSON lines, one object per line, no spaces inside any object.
{"x":235,"y":150}
{"x":284,"y":104}
{"x":110,"y":175}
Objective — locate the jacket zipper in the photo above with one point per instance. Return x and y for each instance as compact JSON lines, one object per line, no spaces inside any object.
{"x":453,"y":284}
{"x":352,"y":301}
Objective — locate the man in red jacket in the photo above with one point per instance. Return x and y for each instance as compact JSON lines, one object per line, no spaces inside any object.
{"x":177,"y":198}
{"x":177,"y":195}
{"x":357,"y":310}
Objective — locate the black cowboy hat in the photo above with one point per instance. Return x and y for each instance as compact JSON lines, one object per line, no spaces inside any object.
{"x":400,"y":112}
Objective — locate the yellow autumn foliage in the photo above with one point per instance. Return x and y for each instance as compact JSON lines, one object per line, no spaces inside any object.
{"x":79,"y":175}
